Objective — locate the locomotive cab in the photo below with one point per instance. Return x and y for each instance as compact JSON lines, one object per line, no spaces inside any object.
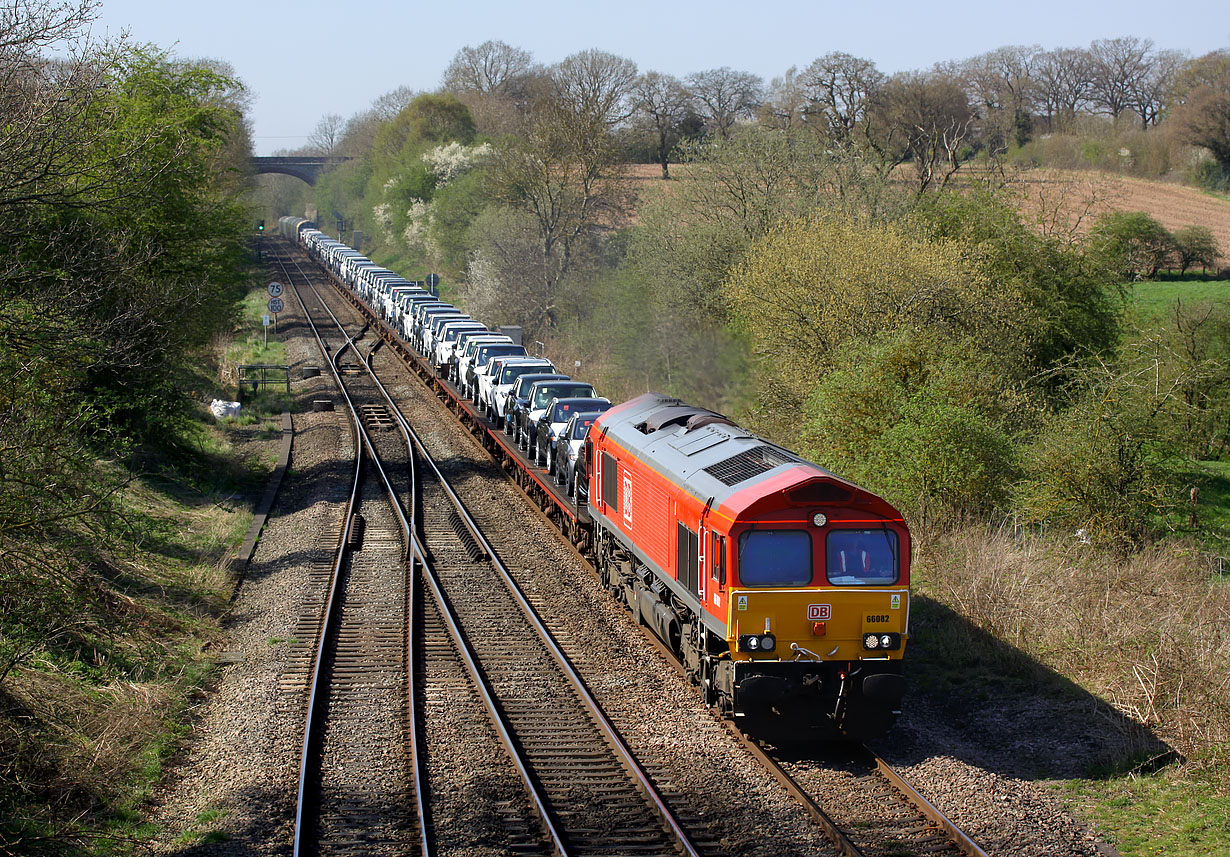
{"x":783,"y":588}
{"x":817,"y":617}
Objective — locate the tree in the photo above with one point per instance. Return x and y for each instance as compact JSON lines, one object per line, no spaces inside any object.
{"x":428,"y":119}
{"x":785,"y":105}
{"x":921,"y":417}
{"x":387,"y":106}
{"x":1003,"y":88}
{"x":595,"y":85}
{"x":559,"y":170}
{"x":1202,"y":114}
{"x":839,"y":89}
{"x":493,"y":68}
{"x":1118,"y":70}
{"x":1152,"y":93}
{"x":1195,"y":245}
{"x":1101,"y":465}
{"x":724,"y":96}
{"x":494,"y":80}
{"x":1065,"y":306}
{"x":924,"y":118}
{"x":123,"y":249}
{"x":327,"y":134}
{"x":1063,"y":80}
{"x":1132,"y":243}
{"x":664,"y":104}
{"x":811,"y":286}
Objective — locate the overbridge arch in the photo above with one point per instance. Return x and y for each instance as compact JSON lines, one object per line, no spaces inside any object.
{"x":301,"y":167}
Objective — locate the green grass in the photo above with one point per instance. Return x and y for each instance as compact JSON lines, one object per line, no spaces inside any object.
{"x":1213,"y":509}
{"x":105,"y":708}
{"x":1161,"y":813}
{"x":252,"y":343}
{"x":1153,"y":302}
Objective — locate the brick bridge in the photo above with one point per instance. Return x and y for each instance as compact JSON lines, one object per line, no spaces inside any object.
{"x":306,"y":168}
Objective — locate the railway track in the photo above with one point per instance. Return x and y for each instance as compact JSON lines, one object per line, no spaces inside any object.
{"x":590,"y":795}
{"x":897,"y":830}
{"x":357,"y":766}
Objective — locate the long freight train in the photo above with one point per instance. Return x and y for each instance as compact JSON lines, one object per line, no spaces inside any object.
{"x":782,"y":588}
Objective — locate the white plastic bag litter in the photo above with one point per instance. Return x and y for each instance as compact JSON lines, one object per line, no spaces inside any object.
{"x":222,"y":408}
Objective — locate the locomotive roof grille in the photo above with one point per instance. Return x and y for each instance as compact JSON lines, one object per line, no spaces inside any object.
{"x":749,"y":463}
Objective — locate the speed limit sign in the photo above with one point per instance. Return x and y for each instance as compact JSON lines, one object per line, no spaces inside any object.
{"x":276,"y":305}
{"x":275,"y":290}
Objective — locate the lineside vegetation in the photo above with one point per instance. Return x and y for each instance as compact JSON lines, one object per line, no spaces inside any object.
{"x":123,"y":253}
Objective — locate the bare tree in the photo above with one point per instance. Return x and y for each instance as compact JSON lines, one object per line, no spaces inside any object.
{"x":725,"y":96}
{"x":1152,"y":93}
{"x":29,"y":26}
{"x":1202,"y":112}
{"x":1001,"y":85}
{"x":1063,"y":78}
{"x":925,"y":118}
{"x":394,"y":101}
{"x":558,"y":169}
{"x":839,"y":87}
{"x":495,"y":80}
{"x":1118,"y":68}
{"x":327,"y":134}
{"x":786,"y":102}
{"x":664,"y":104}
{"x":596,"y":84}
{"x":492,"y":68}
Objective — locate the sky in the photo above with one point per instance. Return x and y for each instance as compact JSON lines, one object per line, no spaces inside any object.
{"x":303,"y":60}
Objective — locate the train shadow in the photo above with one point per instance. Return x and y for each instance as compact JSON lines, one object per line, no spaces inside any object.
{"x":975,"y":698}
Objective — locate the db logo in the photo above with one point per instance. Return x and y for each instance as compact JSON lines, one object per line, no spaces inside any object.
{"x":819,"y":612}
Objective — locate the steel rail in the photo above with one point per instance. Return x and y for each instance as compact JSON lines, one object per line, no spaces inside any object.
{"x":328,"y":631}
{"x":417,"y":553}
{"x":605,"y":726}
{"x":623,"y":753}
{"x":928,"y":809}
{"x":498,"y":720}
{"x":839,"y":838}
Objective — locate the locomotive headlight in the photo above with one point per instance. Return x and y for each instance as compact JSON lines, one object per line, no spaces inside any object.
{"x":757,"y":643}
{"x":881,"y":642}
{"x":819,"y":519}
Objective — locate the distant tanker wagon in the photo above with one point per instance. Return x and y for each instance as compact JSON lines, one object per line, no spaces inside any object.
{"x":782,"y":588}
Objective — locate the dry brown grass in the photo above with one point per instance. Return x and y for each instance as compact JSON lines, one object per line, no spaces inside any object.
{"x":1149,"y":633}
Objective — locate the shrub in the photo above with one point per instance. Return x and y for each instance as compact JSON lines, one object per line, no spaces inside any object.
{"x":921,"y":418}
{"x":1103,"y":465}
{"x":1195,"y":245}
{"x":1132,"y":243}
{"x":811,"y":286}
{"x":1065,"y":303}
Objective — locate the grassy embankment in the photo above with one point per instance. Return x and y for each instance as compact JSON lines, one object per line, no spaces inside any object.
{"x":89,"y":719}
{"x":1128,"y":653}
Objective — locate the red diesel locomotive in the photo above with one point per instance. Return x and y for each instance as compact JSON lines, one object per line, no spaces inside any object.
{"x":783,"y":588}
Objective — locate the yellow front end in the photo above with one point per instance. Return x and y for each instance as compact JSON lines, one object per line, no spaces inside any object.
{"x":829,"y":623}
